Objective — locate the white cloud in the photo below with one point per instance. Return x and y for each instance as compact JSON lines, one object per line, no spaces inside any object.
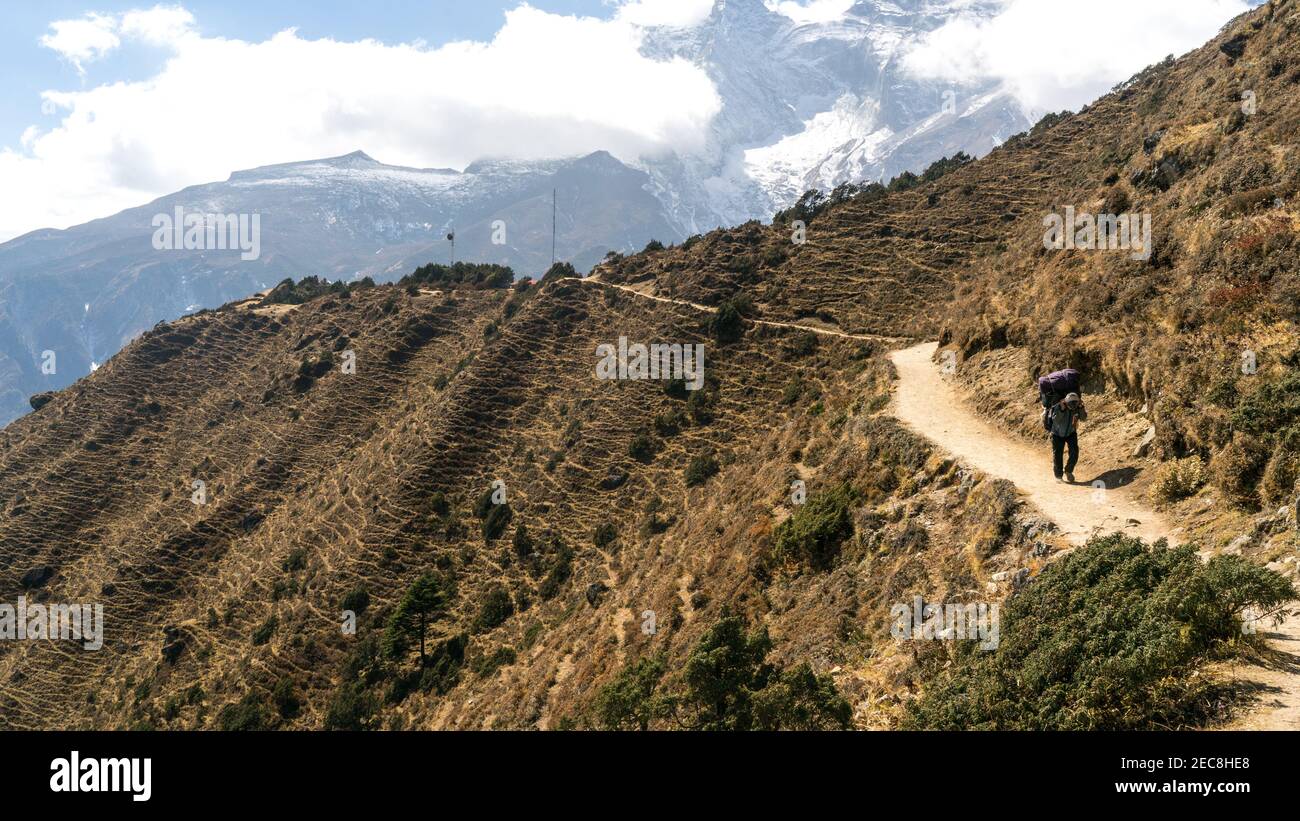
{"x":84,"y":40}
{"x":662,"y":12}
{"x":1053,"y":61}
{"x":161,"y":25}
{"x":547,"y":85}
{"x":811,"y":11}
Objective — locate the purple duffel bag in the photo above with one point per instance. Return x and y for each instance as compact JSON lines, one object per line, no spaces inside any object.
{"x":1056,"y":385}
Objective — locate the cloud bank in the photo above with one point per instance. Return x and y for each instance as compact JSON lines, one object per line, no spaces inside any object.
{"x":546,"y":85}
{"x":1053,"y":59}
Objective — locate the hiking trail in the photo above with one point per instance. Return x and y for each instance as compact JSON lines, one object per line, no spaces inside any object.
{"x":594,"y":280}
{"x":928,"y":402}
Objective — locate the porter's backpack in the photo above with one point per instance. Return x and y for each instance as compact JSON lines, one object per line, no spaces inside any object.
{"x":1053,"y":388}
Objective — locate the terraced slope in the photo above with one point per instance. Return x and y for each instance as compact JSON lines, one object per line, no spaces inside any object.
{"x":318,"y":482}
{"x":637,"y":515}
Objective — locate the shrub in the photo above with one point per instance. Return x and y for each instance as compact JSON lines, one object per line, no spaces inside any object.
{"x":1277,"y":486}
{"x":357,"y":600}
{"x":605,"y":534}
{"x":351,"y":708}
{"x":676,"y":389}
{"x":295,"y":561}
{"x":631,"y":701}
{"x":1178,"y":479}
{"x":285,"y":699}
{"x":727,"y":324}
{"x":485,"y":666}
{"x":814,"y":533}
{"x":494,"y":524}
{"x":522,"y":543}
{"x":721,"y":674}
{"x":670,"y":423}
{"x":248,"y":714}
{"x":559,"y":573}
{"x":1107,"y":638}
{"x":497,"y":606}
{"x":700,"y":407}
{"x":700,"y":470}
{"x":461,"y":275}
{"x":438,"y":504}
{"x":802,"y":344}
{"x":265,"y":630}
{"x":642,"y":448}
{"x":798,"y":699}
{"x":727,"y":683}
{"x":1236,"y":470}
{"x":563,"y":270}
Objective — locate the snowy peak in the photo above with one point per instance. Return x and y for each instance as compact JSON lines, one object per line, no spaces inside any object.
{"x":814,"y":103}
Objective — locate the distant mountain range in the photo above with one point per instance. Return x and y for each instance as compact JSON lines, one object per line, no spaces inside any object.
{"x":804,"y":106}
{"x":85,"y":292}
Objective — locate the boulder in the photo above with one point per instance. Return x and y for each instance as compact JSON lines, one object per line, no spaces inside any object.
{"x":40,"y":400}
{"x":1144,"y":447}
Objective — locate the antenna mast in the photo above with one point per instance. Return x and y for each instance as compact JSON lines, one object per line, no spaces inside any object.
{"x":552,"y":226}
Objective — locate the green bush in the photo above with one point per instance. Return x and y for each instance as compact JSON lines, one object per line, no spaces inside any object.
{"x":798,"y":699}
{"x":1270,"y":409}
{"x":265,"y":630}
{"x":700,"y":470}
{"x":285,"y":698}
{"x":605,"y":534}
{"x":494,"y":524}
{"x":497,"y":606}
{"x":814,"y":533}
{"x":1107,"y":638}
{"x":351,"y":708}
{"x":522,"y":542}
{"x":1178,"y":479}
{"x":559,"y":573}
{"x":1278,"y":484}
{"x":1237,"y":468}
{"x":249,"y":714}
{"x":727,"y":325}
{"x":485,"y":666}
{"x":461,"y":275}
{"x":643,"y":448}
{"x":631,"y":701}
{"x":357,"y":600}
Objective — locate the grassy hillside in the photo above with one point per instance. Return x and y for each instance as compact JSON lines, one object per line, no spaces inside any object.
{"x":525,"y":545}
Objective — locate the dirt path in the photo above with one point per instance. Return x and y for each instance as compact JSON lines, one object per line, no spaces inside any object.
{"x":705,"y":308}
{"x":928,"y":402}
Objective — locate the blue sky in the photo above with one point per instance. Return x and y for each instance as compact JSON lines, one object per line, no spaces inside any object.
{"x":108,"y":104}
{"x":27,"y":68}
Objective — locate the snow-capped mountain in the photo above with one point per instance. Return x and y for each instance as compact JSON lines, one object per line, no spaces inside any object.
{"x":812,"y":105}
{"x":84,"y":292}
